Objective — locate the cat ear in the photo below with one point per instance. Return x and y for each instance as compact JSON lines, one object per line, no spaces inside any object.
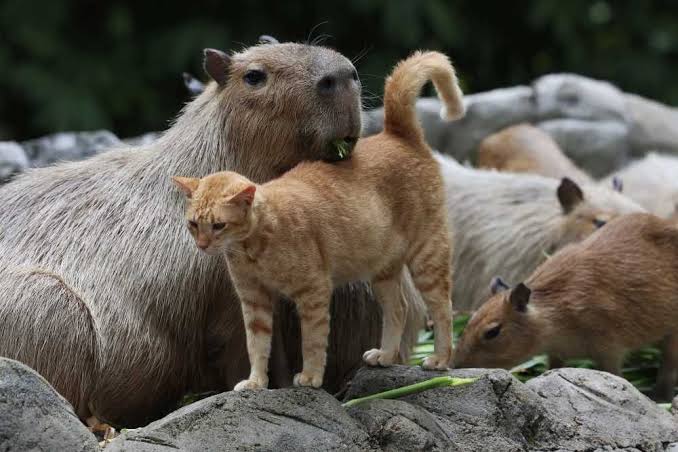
{"x":187,"y":184}
{"x":216,"y":65}
{"x":246,"y":196}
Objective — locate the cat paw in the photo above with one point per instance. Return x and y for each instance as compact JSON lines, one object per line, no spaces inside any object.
{"x":379,"y":357}
{"x":252,"y":383}
{"x":434,"y":362}
{"x":314,"y":380}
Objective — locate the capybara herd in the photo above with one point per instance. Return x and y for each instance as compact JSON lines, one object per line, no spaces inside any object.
{"x":126,"y":292}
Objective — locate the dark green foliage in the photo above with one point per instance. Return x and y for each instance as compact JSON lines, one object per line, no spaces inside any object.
{"x":75,"y":64}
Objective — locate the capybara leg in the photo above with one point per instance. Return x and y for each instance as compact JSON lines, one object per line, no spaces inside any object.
{"x":555,"y":362}
{"x":394,"y":310}
{"x":668,"y":371}
{"x":313,"y":305}
{"x":45,"y":324}
{"x":609,"y":361}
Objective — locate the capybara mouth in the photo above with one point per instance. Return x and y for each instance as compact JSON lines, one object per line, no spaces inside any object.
{"x":341,"y":148}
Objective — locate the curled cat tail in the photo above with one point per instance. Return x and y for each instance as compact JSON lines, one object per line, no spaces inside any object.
{"x":403,"y":87}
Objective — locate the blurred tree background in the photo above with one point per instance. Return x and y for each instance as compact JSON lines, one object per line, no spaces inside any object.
{"x":81,"y":64}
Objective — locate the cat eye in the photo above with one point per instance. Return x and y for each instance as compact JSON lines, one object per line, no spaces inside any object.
{"x":193,"y":224}
{"x":254,"y":77}
{"x":599,"y":223}
{"x":218,"y":226}
{"x":492,"y":332}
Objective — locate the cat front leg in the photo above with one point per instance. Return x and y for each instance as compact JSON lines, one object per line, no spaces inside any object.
{"x":313,"y":306}
{"x":257,"y":310}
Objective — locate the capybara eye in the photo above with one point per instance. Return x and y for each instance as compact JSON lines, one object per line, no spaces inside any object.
{"x":599,"y":223}
{"x":492,"y":332}
{"x":218,"y":226}
{"x":254,"y":77}
{"x":193,"y":224}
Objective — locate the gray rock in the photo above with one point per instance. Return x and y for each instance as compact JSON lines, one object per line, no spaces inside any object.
{"x":577,"y":97}
{"x":495,"y":413}
{"x":33,"y":416}
{"x":652,"y":125}
{"x":68,"y":146}
{"x":280,"y":420}
{"x":597,"y":146}
{"x":144,"y":139}
{"x":592,"y":408}
{"x":565,"y":409}
{"x":13,"y":160}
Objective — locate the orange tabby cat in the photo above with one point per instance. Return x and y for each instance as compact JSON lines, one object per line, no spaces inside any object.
{"x":321,"y":225}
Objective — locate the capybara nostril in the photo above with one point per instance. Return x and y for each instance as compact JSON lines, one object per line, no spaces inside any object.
{"x":337,"y":80}
{"x":327,"y":85}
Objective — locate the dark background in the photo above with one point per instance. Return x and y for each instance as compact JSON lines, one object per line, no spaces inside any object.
{"x":77,"y":65}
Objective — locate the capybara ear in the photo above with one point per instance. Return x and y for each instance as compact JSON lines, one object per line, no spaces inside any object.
{"x":520,"y":297}
{"x":216,"y":65}
{"x":617,"y":184}
{"x":187,"y":184}
{"x":569,"y":194}
{"x":266,"y":39}
{"x":245,"y":196}
{"x":498,"y":285}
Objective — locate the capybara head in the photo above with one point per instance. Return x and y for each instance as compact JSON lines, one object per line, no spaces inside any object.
{"x":585,"y":214}
{"x":503,"y":332}
{"x":287,"y":93}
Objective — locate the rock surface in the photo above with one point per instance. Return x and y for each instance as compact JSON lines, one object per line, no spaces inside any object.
{"x":68,"y":146}
{"x":597,"y":408}
{"x":599,"y":146}
{"x":33,"y":416}
{"x":13,"y":160}
{"x":563,"y":410}
{"x":280,"y":420}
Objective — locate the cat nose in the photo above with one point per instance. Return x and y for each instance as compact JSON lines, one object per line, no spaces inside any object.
{"x":202,"y":243}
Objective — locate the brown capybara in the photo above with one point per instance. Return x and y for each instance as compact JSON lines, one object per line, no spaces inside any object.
{"x":614,"y":292}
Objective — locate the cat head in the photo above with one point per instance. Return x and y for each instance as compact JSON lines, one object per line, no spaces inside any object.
{"x":219,"y":209}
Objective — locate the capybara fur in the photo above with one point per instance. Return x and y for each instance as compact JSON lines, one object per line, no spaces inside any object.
{"x":507,"y":224}
{"x":524,"y":148}
{"x":614,"y":292}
